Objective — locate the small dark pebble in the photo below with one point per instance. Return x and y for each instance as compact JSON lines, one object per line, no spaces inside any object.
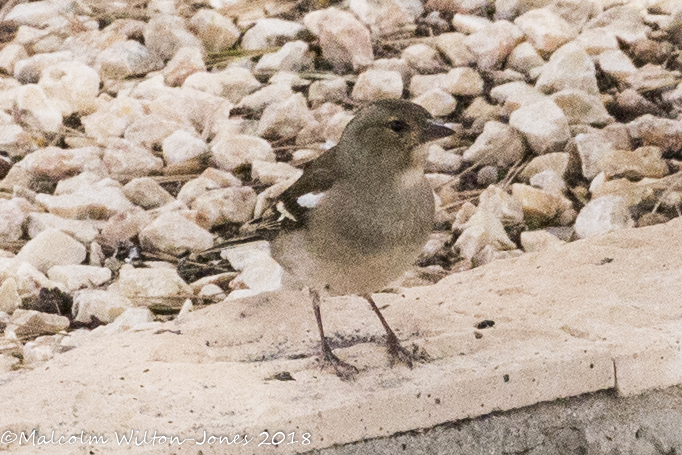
{"x":485,"y":324}
{"x":283,"y":376}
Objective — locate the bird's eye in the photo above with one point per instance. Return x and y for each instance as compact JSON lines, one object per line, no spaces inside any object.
{"x":398,"y":126}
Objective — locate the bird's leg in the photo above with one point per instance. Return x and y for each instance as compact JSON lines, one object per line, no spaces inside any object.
{"x":343,"y":370}
{"x":395,"y":350}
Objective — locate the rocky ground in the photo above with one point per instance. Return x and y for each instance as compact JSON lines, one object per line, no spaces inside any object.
{"x":135,"y":135}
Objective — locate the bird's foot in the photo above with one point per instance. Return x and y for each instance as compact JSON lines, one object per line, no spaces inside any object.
{"x":345,"y":371}
{"x":399,"y":354}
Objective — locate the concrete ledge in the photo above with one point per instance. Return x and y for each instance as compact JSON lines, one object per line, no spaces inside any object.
{"x":598,"y":314}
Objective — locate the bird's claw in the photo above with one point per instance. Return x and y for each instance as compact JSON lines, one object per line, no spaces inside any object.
{"x":345,"y":371}
{"x":399,"y":354}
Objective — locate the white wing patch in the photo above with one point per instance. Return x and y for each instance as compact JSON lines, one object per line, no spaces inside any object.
{"x":310,"y":200}
{"x":284,"y":213}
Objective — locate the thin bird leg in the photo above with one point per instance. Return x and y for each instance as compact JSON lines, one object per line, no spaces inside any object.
{"x":343,"y":370}
{"x":395,"y":350}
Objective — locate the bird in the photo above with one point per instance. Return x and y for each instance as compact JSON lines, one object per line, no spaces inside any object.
{"x":359,"y":215}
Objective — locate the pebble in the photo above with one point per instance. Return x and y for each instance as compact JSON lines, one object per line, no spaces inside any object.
{"x":374,"y":85}
{"x":545,"y":30}
{"x":346,"y":43}
{"x":174,"y":234}
{"x":601,"y":215}
{"x":217,"y":32}
{"x":52,"y":247}
{"x":569,"y":67}
{"x":533,"y":241}
{"x":77,"y":276}
{"x":498,"y":145}
{"x":437,"y":101}
{"x":268,"y":33}
{"x":544,"y":126}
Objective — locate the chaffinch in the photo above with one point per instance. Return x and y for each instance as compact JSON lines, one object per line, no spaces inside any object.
{"x":359,"y":215}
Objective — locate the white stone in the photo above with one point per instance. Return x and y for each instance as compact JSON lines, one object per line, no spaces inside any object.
{"x":524,"y":58}
{"x":185,"y":62}
{"x":601,"y":215}
{"x":217,"y":32}
{"x":516,"y":94}
{"x":440,"y":160}
{"x":422,"y":58}
{"x":260,"y":273}
{"x":125,"y":59}
{"x":52,"y":247}
{"x":233,"y":151}
{"x":591,"y":148}
{"x":496,"y":202}
{"x":44,"y":113}
{"x":9,"y":296}
{"x":569,"y":67}
{"x":544,"y":126}
{"x":126,"y":161}
{"x":597,"y":40}
{"x":437,"y":101}
{"x":182,"y":146}
{"x":10,"y":55}
{"x":35,"y":14}
{"x":486,"y":231}
{"x":346,"y":43}
{"x":293,"y":56}
{"x":493,"y":44}
{"x":545,"y":30}
{"x":453,"y":46}
{"x":28,"y":323}
{"x":147,"y":193}
{"x":227,"y":205}
{"x":533,"y":241}
{"x":210,"y":179}
{"x":581,"y":107}
{"x":165,"y":34}
{"x":12,"y":219}
{"x":105,"y":306}
{"x":232,"y":83}
{"x":55,"y":163}
{"x":112,"y":120}
{"x":143,"y":284}
{"x":616,"y":64}
{"x":374,"y":85}
{"x":75,"y":84}
{"x":270,"y":173}
{"x":259,"y":100}
{"x":385,"y":17}
{"x":76,"y":276}
{"x":463,"y":82}
{"x":469,"y":24}
{"x":286,"y":118}
{"x":625,"y":21}
{"x":539,"y":207}
{"x":420,"y":84}
{"x":149,"y":131}
{"x":548,"y":181}
{"x":499,"y":145}
{"x":98,"y":201}
{"x":128,"y":320}
{"x":269,"y":33}
{"x":41,"y":349}
{"x":328,"y":91}
{"x":27,"y":71}
{"x":29,"y":280}
{"x":174,"y":234}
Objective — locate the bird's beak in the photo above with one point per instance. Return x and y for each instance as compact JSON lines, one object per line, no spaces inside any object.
{"x":435,"y":130}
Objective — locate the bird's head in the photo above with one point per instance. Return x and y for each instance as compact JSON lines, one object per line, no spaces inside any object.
{"x":384,"y":137}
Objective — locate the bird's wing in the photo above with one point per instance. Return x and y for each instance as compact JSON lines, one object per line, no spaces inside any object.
{"x":291,"y":209}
